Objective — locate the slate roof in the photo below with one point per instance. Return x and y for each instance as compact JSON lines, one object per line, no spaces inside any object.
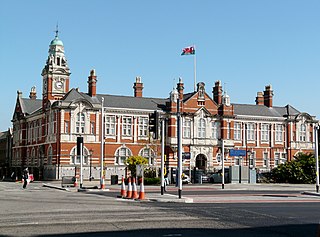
{"x":130,"y":102}
{"x":30,"y":106}
{"x":261,"y":110}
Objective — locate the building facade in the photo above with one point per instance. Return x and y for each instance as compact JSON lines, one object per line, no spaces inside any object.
{"x":45,"y":130}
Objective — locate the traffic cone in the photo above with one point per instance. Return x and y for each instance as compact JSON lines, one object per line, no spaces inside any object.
{"x":17,"y":180}
{"x":141,"y":194}
{"x":134,"y":189}
{"x":102,"y":183}
{"x":75,"y":184}
{"x":129,"y":193}
{"x":123,"y":188}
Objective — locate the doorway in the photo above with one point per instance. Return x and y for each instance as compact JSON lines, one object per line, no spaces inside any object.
{"x":201,"y":162}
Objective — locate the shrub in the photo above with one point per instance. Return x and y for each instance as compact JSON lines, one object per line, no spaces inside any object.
{"x":150,"y":181}
{"x":300,"y":170}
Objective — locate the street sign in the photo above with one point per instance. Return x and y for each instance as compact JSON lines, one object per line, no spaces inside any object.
{"x":234,"y":152}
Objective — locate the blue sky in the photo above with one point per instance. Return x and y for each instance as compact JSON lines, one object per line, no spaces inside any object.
{"x":247,"y":44}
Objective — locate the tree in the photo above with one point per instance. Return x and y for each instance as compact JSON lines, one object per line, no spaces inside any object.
{"x":300,"y":170}
{"x":132,"y":161}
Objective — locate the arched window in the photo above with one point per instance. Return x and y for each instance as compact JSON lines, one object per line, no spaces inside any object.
{"x":122,"y":154}
{"x":80,"y":123}
{"x":149,"y":154}
{"x":50,"y":155}
{"x":202,"y":128}
{"x":75,"y":158}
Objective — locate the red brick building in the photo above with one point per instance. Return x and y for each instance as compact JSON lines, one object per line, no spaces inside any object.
{"x":45,"y":130}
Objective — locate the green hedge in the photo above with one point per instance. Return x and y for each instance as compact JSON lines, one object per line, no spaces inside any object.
{"x":149,"y":181}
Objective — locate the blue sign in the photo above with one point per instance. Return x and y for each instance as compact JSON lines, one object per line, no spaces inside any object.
{"x":234,"y":152}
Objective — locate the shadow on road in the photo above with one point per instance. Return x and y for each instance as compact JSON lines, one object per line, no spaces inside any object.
{"x":310,"y":230}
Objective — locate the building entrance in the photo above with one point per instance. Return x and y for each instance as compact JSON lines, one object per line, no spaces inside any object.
{"x":201,"y":162}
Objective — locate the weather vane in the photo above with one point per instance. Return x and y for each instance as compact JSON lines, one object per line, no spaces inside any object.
{"x":57,"y":30}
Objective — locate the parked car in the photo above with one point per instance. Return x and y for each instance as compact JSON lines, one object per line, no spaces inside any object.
{"x":206,"y":178}
{"x":217,"y":177}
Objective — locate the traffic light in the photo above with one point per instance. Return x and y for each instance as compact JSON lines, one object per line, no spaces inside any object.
{"x":79,"y":145}
{"x":154,"y":124}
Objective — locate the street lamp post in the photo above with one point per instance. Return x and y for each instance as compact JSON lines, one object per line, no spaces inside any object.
{"x":316,"y":130}
{"x":102,"y":144}
{"x":162,"y":157}
{"x":222,"y":157}
{"x":179,"y":149}
{"x":90,"y":153}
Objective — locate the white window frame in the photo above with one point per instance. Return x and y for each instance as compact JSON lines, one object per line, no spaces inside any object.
{"x":110,"y":122}
{"x":75,"y":158}
{"x":122,"y":153}
{"x":66,"y":127}
{"x":265,"y":132}
{"x":80,"y":122}
{"x":186,"y":128}
{"x":266,"y":159}
{"x":149,"y":154}
{"x":215,"y":130}
{"x":126,"y":126}
{"x":276,"y":159}
{"x":279,"y":133}
{"x":303,"y":133}
{"x":143,"y":123}
{"x":250,"y":131}
{"x":201,"y":128}
{"x":237,"y":131}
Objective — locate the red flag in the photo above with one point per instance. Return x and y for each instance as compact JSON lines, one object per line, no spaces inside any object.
{"x":188,"y":51}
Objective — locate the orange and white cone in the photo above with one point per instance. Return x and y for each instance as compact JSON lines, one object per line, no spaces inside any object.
{"x":141,"y":194}
{"x":103,"y":186}
{"x":75,"y":182}
{"x":123,"y":192}
{"x":17,"y":180}
{"x":129,"y":193}
{"x":134,"y":189}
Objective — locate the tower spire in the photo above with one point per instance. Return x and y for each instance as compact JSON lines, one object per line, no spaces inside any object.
{"x":57,"y":30}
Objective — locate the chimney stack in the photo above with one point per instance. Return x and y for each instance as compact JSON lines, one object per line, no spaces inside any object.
{"x":180,"y":87}
{"x":217,"y":92}
{"x":33,"y":93}
{"x":259,"y":98}
{"x":92,"y":83}
{"x":138,"y":87}
{"x":267,"y":95}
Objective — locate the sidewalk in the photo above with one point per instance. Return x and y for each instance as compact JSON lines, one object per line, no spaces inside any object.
{"x":93,"y":186}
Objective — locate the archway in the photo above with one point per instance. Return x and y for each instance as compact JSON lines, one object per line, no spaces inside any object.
{"x":201,"y":162}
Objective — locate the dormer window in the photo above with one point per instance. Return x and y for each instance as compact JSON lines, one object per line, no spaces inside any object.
{"x":58,"y":61}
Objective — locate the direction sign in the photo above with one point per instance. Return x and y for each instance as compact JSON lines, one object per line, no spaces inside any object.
{"x":234,"y":152}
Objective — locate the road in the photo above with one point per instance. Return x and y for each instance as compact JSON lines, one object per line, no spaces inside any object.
{"x":39,"y":211}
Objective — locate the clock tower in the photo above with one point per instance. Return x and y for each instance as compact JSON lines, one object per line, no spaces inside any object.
{"x":55,"y":74}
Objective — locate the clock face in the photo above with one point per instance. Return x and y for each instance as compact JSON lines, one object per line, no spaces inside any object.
{"x":58,"y":85}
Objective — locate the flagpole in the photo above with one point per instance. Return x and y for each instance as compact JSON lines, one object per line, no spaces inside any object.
{"x":194,"y":69}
